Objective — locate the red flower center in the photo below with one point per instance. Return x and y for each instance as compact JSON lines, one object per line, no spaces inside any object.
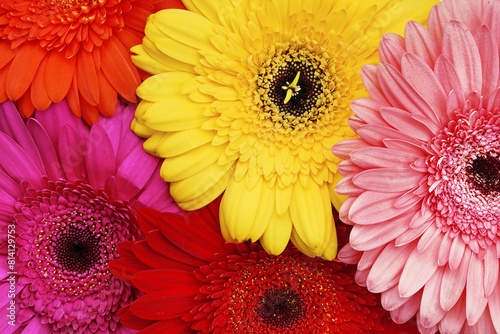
{"x":280,"y":308}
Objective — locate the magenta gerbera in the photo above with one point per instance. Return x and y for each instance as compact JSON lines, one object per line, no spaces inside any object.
{"x":68,"y":196}
{"x":194,"y":282}
{"x":423,"y":180}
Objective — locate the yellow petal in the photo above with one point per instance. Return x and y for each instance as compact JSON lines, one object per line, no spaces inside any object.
{"x":283,"y":196}
{"x":277,"y":235}
{"x":174,"y":113}
{"x":336,"y":198}
{"x":177,"y":143}
{"x":200,"y":189}
{"x":247,"y":212}
{"x":190,"y":163}
{"x":307,"y":209}
{"x":156,"y":87}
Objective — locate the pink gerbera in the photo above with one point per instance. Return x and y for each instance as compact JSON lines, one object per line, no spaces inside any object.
{"x":423,"y":180}
{"x":68,"y":196}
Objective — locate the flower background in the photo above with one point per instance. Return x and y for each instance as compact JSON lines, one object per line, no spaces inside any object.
{"x":193,"y":166}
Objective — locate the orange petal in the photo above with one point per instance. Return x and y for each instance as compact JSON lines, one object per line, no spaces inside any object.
{"x":107,"y":96}
{"x":6,"y":53}
{"x":89,"y":113}
{"x":23,"y":69}
{"x":73,"y":99}
{"x":118,"y":68}
{"x":3,"y":82}
{"x":59,"y":75}
{"x":39,"y":96}
{"x":24,"y":104}
{"x":87,"y":77}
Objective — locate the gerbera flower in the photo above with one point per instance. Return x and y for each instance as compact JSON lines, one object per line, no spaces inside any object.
{"x":423,"y":179}
{"x":194,"y":282}
{"x":68,"y":196}
{"x":248,"y":98}
{"x":73,"y":50}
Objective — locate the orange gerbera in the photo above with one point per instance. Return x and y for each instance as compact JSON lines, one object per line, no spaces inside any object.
{"x":72,"y":49}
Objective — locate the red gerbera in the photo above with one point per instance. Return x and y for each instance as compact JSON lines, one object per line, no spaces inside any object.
{"x":72,"y":49}
{"x":194,"y":282}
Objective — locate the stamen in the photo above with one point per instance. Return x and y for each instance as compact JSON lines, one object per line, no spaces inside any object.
{"x":291,"y":88}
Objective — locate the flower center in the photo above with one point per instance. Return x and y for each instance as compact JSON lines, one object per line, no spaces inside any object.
{"x":293,"y":84}
{"x":464,"y":178}
{"x":484,"y":174}
{"x":76,"y":249}
{"x":281,"y":308}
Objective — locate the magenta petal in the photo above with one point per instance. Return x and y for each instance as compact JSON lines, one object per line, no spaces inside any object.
{"x":45,"y":146}
{"x":488,"y":50}
{"x":9,"y":186}
{"x":420,"y":42}
{"x":135,"y":171}
{"x":24,"y":168}
{"x":12,"y":124}
{"x":155,"y":195}
{"x":71,"y":152}
{"x":100,"y":157}
{"x":461,"y":49}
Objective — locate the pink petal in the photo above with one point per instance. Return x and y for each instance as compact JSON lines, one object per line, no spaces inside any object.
{"x":491,"y":269}
{"x":376,"y":134}
{"x":347,"y":188}
{"x":386,"y":271}
{"x":438,"y":18}
{"x":347,"y":167}
{"x":348,"y":255}
{"x":374,"y":157}
{"x":400,"y":93}
{"x":490,"y":18}
{"x":425,"y":82}
{"x":456,"y":252}
{"x":488,"y":50}
{"x":463,"y":11}
{"x":431,"y":235}
{"x":444,"y":250}
{"x":370,"y":80}
{"x":483,"y":325}
{"x":405,"y":123}
{"x":418,"y":270}
{"x":369,"y":110}
{"x":430,"y":310}
{"x":494,"y":100}
{"x":46,"y":148}
{"x":366,"y":237}
{"x":454,"y":319}
{"x":461,"y":49}
{"x":393,"y":180}
{"x":476,"y":301}
{"x":374,"y":207}
{"x":494,"y":307}
{"x":408,"y":147}
{"x":447,"y":75}
{"x":390,"y":51}
{"x":408,"y":309}
{"x":391,"y":300}
{"x":453,"y":283}
{"x":420,"y":42}
{"x":413,"y":233}
{"x":344,"y":148}
{"x":100,"y":157}
{"x":369,"y":257}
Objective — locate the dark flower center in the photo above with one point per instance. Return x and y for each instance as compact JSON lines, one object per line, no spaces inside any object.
{"x":306,"y":92}
{"x":484,"y":174}
{"x":76,"y":250}
{"x":281,"y":308}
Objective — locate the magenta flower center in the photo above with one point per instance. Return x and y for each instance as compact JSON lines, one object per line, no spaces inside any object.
{"x":76,"y":250}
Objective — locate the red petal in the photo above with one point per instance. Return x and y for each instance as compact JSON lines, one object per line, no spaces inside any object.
{"x":162,"y":245}
{"x":180,"y":282}
{"x":151,"y":258}
{"x":23,"y":69}
{"x":119,"y":69}
{"x":173,"y":326}
{"x":147,"y":220}
{"x":162,"y":305}
{"x":125,"y":269}
{"x":131,"y":321}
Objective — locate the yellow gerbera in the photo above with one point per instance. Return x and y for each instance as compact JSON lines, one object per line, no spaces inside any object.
{"x":248,"y":98}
